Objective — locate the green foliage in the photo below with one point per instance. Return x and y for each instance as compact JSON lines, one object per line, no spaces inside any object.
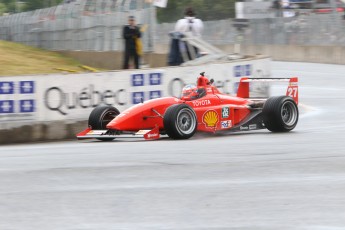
{"x":204,"y":9}
{"x":9,"y":6}
{"x":33,"y":5}
{"x":39,"y":4}
{"x":3,"y":8}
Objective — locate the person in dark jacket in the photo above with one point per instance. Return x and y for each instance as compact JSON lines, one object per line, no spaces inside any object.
{"x":130,"y":33}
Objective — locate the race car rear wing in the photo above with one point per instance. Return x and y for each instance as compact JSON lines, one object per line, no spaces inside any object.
{"x":292,"y":90}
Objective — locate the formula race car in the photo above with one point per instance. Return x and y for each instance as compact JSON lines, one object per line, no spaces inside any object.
{"x":201,"y":108}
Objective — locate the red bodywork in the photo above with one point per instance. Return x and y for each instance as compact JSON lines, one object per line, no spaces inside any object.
{"x":208,"y":110}
{"x":215,"y":111}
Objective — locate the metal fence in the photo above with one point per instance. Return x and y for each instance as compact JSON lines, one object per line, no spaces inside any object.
{"x":78,"y":25}
{"x":305,"y":29}
{"x":97,"y":26}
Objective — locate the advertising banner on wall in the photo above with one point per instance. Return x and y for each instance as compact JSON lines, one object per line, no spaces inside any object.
{"x":17,"y":99}
{"x":72,"y":97}
{"x":254,"y":10}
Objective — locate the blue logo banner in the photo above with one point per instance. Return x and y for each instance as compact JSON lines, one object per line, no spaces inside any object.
{"x":137,"y":97}
{"x":7,"y":106}
{"x":27,"y":106}
{"x":155,"y":78}
{"x":138,"y":80}
{"x":155,"y":94}
{"x":27,"y":87}
{"x":248,"y":70}
{"x":7,"y":87}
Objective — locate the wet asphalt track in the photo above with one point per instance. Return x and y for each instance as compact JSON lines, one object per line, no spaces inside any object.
{"x":242,"y":181}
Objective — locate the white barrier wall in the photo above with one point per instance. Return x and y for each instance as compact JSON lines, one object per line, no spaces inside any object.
{"x":45,"y":98}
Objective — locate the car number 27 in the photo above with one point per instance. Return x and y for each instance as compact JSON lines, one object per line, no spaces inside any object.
{"x":292,"y":92}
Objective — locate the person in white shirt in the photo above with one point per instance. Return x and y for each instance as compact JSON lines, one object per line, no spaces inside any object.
{"x":190,"y":24}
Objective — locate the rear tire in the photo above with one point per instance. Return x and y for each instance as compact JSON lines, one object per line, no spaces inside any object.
{"x":280,"y":114}
{"x":180,"y":121}
{"x":101,"y":116}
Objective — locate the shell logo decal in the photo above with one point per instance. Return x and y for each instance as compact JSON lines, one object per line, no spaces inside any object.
{"x":210,"y":118}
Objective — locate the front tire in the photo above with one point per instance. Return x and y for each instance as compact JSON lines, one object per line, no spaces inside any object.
{"x":101,"y":116}
{"x":280,"y":114}
{"x":180,"y":121}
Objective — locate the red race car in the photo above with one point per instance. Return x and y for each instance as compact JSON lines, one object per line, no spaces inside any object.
{"x":201,"y":108}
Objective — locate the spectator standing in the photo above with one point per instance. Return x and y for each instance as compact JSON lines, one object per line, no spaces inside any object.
{"x":277,"y":7}
{"x":190,"y":24}
{"x":131,"y":34}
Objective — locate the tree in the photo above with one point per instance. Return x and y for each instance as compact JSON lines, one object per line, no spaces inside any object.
{"x":13,"y":6}
{"x":39,"y":4}
{"x":8,"y":6}
{"x":3,"y":8}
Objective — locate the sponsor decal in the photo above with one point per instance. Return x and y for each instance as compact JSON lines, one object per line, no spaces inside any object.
{"x":137,"y":79}
{"x":155,"y":78}
{"x":201,"y":103}
{"x":225,"y":112}
{"x":152,"y":135}
{"x":250,"y":127}
{"x":56,"y":99}
{"x":210,"y":118}
{"x":155,"y":94}
{"x":137,"y":97}
{"x":226,"y":124}
{"x":244,"y":128}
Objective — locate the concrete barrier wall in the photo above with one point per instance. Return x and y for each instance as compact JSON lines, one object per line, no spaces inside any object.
{"x":293,"y":53}
{"x":315,"y":54}
{"x":55,"y":107}
{"x":114,"y":59}
{"x":47,"y":131}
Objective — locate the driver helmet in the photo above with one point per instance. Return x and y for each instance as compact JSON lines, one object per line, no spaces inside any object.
{"x":189,"y":92}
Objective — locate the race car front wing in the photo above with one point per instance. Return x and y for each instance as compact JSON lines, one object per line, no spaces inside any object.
{"x":88,"y":133}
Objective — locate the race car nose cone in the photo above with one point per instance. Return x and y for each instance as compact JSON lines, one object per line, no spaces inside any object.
{"x":120,"y":123}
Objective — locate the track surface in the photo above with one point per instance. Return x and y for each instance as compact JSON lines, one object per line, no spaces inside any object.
{"x":257,"y":180}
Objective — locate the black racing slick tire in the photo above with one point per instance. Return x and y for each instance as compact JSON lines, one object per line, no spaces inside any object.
{"x":280,"y":114}
{"x":101,"y":116}
{"x":180,"y":121}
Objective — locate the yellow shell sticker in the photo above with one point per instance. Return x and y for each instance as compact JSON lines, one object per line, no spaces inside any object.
{"x":210,"y":118}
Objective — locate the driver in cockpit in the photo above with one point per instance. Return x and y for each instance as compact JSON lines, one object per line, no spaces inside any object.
{"x":191,"y":92}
